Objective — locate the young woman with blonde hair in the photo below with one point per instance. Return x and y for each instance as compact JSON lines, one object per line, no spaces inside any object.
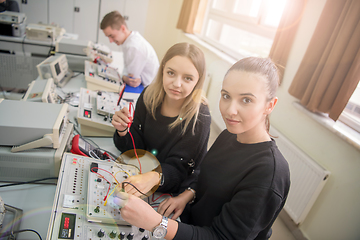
{"x":171,"y":120}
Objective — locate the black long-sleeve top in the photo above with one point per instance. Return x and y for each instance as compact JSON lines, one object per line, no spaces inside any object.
{"x":241,"y":190}
{"x":175,"y":152}
{"x":9,"y":6}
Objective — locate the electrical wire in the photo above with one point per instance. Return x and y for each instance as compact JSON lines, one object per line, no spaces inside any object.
{"x":132,"y":138}
{"x":93,"y":155}
{"x":123,"y":187}
{"x":131,"y":107}
{"x":33,"y":181}
{"x":164,"y":194}
{"x":104,"y":179}
{"x":74,"y":76}
{"x":75,"y":127}
{"x":106,"y":196}
{"x":67,"y":97}
{"x":90,"y":140}
{"x":20,"y":231}
{"x":107,"y":172}
{"x":51,"y":48}
{"x":122,"y":171}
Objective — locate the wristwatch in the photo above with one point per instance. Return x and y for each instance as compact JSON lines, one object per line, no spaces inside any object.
{"x":161,"y":230}
{"x":161,"y":179}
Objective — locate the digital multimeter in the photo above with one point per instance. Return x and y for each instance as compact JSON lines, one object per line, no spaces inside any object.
{"x":84,"y":148}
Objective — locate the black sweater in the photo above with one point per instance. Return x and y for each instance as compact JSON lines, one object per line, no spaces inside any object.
{"x":175,"y":152}
{"x":9,"y":6}
{"x":241,"y":190}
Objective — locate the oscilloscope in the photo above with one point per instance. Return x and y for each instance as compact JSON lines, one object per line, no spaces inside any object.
{"x":57,"y":68}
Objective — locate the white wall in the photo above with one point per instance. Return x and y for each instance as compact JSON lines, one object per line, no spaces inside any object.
{"x":336,"y":213}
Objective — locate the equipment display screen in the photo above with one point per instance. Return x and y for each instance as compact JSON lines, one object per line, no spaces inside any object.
{"x":57,"y":69}
{"x":67,"y":226}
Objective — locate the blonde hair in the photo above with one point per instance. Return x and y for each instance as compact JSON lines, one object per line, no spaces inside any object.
{"x":155,"y":93}
{"x":265,"y":67}
{"x":113,"y":19}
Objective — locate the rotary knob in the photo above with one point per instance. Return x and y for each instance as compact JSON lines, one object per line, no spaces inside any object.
{"x":122,"y":235}
{"x":112,"y":234}
{"x":101,"y":233}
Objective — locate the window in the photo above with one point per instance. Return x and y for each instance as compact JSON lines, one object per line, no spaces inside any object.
{"x":351,"y":114}
{"x":242,"y":27}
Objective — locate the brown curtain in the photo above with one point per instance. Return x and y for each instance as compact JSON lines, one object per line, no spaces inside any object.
{"x":188,"y":15}
{"x":286,"y":31}
{"x":330,"y":69}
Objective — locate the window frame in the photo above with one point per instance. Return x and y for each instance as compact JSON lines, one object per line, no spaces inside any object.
{"x":253,"y":25}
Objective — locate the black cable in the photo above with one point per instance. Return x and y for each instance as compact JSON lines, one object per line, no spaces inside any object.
{"x":19,"y":231}
{"x":33,"y":181}
{"x":67,"y":97}
{"x":112,"y":155}
{"x":88,"y":139}
{"x":103,"y":152}
{"x":62,"y":91}
{"x":51,"y":48}
{"x":77,"y":74}
{"x":75,"y":127}
{"x":123,"y":187}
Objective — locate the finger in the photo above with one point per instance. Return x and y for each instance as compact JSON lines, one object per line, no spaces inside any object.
{"x":129,"y":189}
{"x":163,"y":206}
{"x":118,"y":125}
{"x":137,"y":194}
{"x":120,"y":199}
{"x":132,"y":191}
{"x":176,"y":214}
{"x":169,"y":211}
{"x":119,"y":119}
{"x":125,"y":114}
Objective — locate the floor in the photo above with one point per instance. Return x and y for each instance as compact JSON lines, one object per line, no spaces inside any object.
{"x":280,"y":229}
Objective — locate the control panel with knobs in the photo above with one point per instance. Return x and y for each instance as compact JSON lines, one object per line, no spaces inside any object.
{"x":71,"y":219}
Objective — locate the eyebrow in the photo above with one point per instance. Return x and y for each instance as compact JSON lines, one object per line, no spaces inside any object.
{"x":241,"y":94}
{"x":189,"y":75}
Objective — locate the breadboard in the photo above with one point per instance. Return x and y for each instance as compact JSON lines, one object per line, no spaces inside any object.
{"x":106,"y":103}
{"x":101,"y":184}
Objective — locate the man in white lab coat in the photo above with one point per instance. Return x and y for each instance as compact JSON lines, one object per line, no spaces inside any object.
{"x":140,"y":60}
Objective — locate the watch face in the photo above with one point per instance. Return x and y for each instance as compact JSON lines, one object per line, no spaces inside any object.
{"x":159,"y":232}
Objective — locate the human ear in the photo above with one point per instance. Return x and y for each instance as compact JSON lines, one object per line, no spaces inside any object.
{"x":122,"y":28}
{"x":271,"y":105}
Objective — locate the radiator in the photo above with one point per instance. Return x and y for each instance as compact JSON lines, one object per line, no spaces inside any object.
{"x":307,"y":178}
